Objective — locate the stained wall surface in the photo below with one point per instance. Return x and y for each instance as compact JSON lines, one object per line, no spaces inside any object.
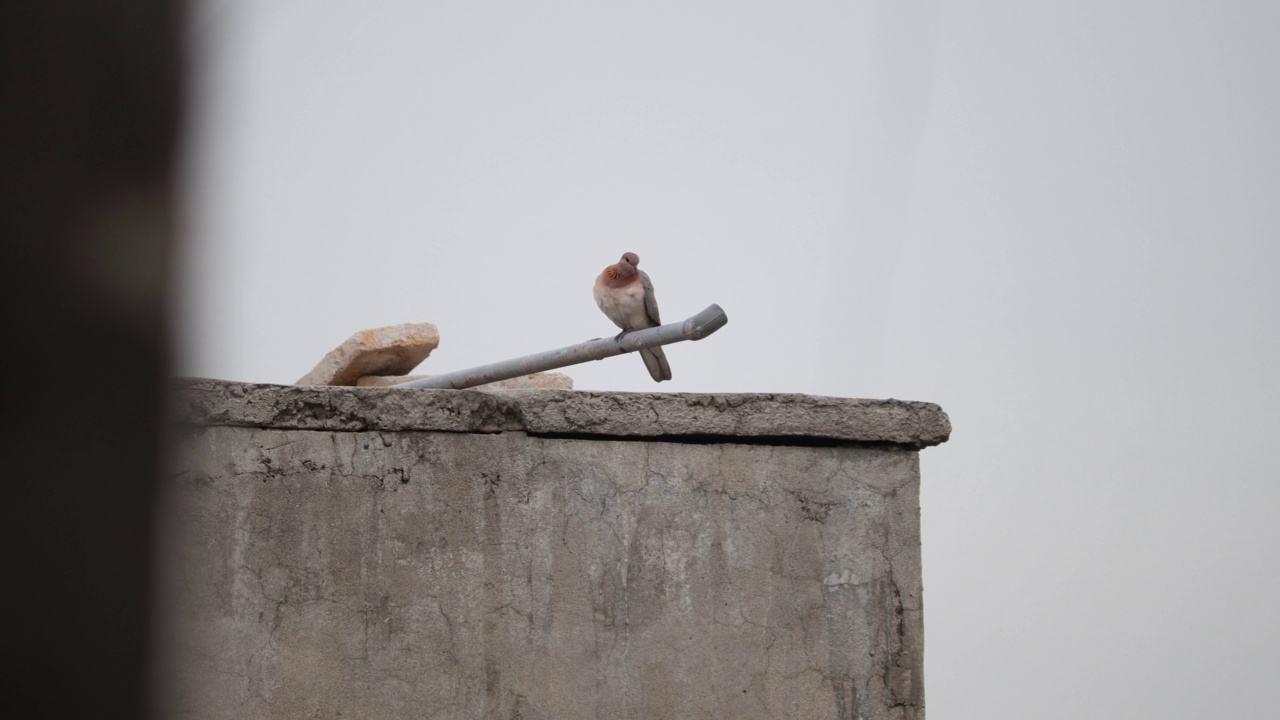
{"x":330,"y":559}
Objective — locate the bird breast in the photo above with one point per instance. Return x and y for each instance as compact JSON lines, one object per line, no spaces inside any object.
{"x":624,"y":305}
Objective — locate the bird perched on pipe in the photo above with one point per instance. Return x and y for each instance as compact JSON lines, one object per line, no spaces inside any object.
{"x":625,"y":295}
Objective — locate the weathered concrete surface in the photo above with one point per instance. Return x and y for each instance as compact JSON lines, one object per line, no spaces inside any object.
{"x":543,"y":380}
{"x":738,"y":417}
{"x":492,"y":573}
{"x":391,"y":350}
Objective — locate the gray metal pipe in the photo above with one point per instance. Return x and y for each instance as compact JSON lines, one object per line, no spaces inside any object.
{"x":695,"y":328}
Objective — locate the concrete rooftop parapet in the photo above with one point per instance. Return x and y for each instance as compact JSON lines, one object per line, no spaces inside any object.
{"x":739,"y":417}
{"x":542,"y":554}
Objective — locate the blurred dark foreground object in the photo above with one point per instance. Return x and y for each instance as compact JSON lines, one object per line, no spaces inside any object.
{"x":92,"y":99}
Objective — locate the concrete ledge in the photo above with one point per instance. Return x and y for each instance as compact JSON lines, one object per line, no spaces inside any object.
{"x":538,"y":554}
{"x":735,"y":418}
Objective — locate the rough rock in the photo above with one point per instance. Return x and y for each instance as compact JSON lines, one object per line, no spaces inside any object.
{"x":391,"y":350}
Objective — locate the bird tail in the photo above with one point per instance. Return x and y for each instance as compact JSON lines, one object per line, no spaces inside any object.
{"x":656,"y":361}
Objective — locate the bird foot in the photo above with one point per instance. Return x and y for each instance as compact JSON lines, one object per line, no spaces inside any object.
{"x":620,"y":335}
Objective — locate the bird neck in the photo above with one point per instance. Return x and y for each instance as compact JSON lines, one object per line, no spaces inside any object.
{"x":619,"y":275}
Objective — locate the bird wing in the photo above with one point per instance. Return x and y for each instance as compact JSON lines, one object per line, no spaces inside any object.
{"x":650,"y":302}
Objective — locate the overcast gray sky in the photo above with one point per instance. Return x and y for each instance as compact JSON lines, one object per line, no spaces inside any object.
{"x":1060,"y":223}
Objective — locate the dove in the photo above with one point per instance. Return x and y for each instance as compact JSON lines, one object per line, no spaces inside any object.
{"x":625,"y":295}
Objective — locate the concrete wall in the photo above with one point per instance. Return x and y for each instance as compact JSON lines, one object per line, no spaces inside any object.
{"x":367,"y":553}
